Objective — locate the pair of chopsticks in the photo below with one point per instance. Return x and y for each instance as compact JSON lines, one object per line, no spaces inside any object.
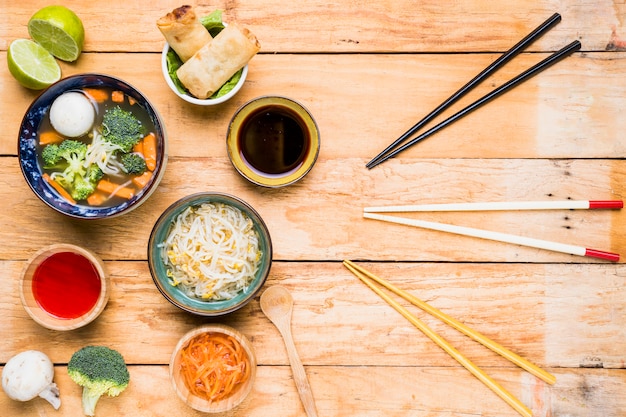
{"x":397,"y":146}
{"x":373,"y":213}
{"x":368,"y":278}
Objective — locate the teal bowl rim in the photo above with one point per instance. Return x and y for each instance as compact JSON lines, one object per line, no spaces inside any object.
{"x":176,"y":296}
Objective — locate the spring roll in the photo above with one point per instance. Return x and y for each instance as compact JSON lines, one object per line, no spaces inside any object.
{"x":183,"y":31}
{"x":217,"y":61}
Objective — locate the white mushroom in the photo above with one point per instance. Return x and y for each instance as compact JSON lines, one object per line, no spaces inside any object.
{"x":29,"y":374}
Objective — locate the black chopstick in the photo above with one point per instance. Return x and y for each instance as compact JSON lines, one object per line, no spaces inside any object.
{"x":506,"y":57}
{"x":552,"y":59}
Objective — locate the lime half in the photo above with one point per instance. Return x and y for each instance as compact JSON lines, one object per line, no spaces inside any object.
{"x":31,"y":65}
{"x":59,"y":30}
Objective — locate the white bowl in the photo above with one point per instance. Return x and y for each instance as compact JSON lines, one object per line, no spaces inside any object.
{"x":191,"y":99}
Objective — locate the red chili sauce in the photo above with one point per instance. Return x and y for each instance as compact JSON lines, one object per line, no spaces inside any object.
{"x":66,"y":285}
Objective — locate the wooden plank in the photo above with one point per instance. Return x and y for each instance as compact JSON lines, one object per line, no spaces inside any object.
{"x":343,"y":187}
{"x":534,"y":310}
{"x":351,"y":26}
{"x":396,"y":391}
{"x":572,"y":110}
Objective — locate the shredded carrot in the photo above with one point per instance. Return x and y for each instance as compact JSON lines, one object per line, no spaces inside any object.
{"x":119,"y":190}
{"x":142,"y":180}
{"x":117,"y":96}
{"x":97,"y":94}
{"x":214,"y":366}
{"x":149,"y":151}
{"x":62,"y":191}
{"x":48,"y":137}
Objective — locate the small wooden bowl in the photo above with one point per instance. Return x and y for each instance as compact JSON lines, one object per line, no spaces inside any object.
{"x":37,"y":308}
{"x":202,"y":404}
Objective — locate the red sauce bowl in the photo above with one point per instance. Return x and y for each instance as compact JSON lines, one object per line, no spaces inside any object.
{"x":64,"y":287}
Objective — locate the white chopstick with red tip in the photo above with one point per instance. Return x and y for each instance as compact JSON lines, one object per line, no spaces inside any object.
{"x":504,"y":205}
{"x":497,"y":236}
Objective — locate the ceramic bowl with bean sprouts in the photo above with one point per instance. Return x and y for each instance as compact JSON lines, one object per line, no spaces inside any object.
{"x":209,"y":253}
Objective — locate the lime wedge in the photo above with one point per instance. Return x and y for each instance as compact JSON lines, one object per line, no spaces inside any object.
{"x":59,"y":30}
{"x":31,"y":65}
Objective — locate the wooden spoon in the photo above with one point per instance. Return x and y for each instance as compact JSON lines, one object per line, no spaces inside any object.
{"x":277,"y":305}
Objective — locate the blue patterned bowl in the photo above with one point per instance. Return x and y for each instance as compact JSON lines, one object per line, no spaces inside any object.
{"x":28,"y":147}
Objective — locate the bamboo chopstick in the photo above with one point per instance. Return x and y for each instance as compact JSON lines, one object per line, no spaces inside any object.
{"x":480,"y":338}
{"x":532,"y":71}
{"x":447,"y":347}
{"x":497,"y":236}
{"x":502,"y":205}
{"x":493,"y":67}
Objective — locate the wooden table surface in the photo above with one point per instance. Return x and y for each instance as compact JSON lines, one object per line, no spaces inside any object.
{"x":367,"y":70}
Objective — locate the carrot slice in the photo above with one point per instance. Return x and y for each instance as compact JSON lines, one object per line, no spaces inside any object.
{"x":62,"y":191}
{"x":116,"y":189}
{"x":142,"y":180}
{"x":117,"y":96}
{"x":97,"y":198}
{"x":149,"y":151}
{"x":131,"y":100}
{"x":138,"y":148}
{"x":48,"y":137}
{"x":97,"y":94}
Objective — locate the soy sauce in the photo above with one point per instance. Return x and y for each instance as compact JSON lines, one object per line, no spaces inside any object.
{"x":274,"y":141}
{"x":66,"y":285}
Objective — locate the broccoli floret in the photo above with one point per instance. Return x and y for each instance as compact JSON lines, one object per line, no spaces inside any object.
{"x":121,"y":128}
{"x":50,"y":155}
{"x":99,"y":370}
{"x":83,"y":187}
{"x":69,"y":155}
{"x":73,"y":173}
{"x":133,"y":163}
{"x":73,"y":153}
{"x":94,"y":173}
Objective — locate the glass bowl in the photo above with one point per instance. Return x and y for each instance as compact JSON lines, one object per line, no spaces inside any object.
{"x":28,"y":147}
{"x":174,"y":293}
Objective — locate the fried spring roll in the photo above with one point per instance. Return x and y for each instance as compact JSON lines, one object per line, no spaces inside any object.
{"x":183,"y":31}
{"x":217,"y":61}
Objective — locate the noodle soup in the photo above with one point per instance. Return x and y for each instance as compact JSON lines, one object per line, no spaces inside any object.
{"x":98,"y":174}
{"x":71,"y":110}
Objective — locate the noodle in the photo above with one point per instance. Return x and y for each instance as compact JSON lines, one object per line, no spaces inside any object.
{"x":212,"y":251}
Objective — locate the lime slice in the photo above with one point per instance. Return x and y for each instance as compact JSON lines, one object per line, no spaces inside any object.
{"x":31,"y":65}
{"x":59,"y":30}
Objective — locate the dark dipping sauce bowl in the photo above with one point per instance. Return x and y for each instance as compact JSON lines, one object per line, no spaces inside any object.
{"x":273,"y":141}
